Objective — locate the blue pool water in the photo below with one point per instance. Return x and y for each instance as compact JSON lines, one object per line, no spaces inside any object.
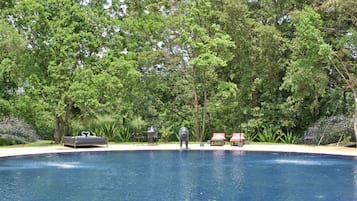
{"x":176,"y":176}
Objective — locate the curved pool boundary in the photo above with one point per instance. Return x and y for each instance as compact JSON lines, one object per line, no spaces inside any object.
{"x":330,"y":150}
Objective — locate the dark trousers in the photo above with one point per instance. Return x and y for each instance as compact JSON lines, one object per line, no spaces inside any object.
{"x":183,"y":139}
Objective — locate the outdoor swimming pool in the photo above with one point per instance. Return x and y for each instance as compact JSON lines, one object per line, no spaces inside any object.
{"x":176,"y":176}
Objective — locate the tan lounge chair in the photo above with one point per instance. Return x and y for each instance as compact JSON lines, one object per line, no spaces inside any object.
{"x":218,"y":139}
{"x":237,"y":139}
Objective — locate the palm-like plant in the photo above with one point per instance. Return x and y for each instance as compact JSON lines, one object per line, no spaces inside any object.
{"x":288,"y":138}
{"x":268,"y":136}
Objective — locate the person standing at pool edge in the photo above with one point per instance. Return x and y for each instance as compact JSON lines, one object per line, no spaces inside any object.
{"x":183,"y":136}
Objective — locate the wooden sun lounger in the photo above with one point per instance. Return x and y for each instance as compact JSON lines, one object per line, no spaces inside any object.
{"x":237,"y":139}
{"x":218,"y":139}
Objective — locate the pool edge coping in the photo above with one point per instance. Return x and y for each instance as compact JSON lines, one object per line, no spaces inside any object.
{"x":330,"y":150}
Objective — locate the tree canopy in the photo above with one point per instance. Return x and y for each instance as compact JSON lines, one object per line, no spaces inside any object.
{"x":227,"y":65}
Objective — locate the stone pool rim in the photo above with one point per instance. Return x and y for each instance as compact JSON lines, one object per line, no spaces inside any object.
{"x":308,"y":149}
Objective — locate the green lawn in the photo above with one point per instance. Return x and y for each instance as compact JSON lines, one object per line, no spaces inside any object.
{"x":33,"y":144}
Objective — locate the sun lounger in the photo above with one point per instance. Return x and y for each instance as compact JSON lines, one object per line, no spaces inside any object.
{"x":218,"y":139}
{"x":85,"y":139}
{"x":237,"y":139}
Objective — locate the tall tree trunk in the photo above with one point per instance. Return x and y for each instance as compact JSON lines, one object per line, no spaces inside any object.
{"x":59,"y":128}
{"x":204,"y":111}
{"x":355,"y":120}
{"x":195,"y":104}
{"x":69,"y":105}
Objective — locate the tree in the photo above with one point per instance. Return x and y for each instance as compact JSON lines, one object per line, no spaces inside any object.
{"x":206,"y":47}
{"x":307,"y":72}
{"x":167,"y":62}
{"x":254,"y":75}
{"x":65,"y":69}
{"x":11,"y":46}
{"x":344,"y":57}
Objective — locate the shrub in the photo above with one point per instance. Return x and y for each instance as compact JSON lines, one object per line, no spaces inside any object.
{"x":268,"y":136}
{"x":124,"y":134}
{"x":166,"y":134}
{"x":252,"y":136}
{"x":329,"y":130}
{"x":4,"y":107}
{"x":288,"y":138}
{"x":15,"y":131}
{"x":110,"y":131}
{"x":7,"y":141}
{"x":137,"y":124}
{"x":113,"y":132}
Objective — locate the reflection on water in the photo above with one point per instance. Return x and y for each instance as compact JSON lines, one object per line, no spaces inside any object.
{"x":41,"y":165}
{"x":62,"y":165}
{"x":237,"y":152}
{"x":296,"y":162}
{"x":355,"y":181}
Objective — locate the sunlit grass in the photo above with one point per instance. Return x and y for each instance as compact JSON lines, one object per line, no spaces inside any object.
{"x":38,"y":143}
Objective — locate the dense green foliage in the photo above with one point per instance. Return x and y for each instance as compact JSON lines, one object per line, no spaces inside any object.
{"x":14,"y":131}
{"x":267,"y":68}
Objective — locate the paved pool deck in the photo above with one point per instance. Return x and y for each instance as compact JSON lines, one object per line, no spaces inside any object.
{"x":332,"y":150}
